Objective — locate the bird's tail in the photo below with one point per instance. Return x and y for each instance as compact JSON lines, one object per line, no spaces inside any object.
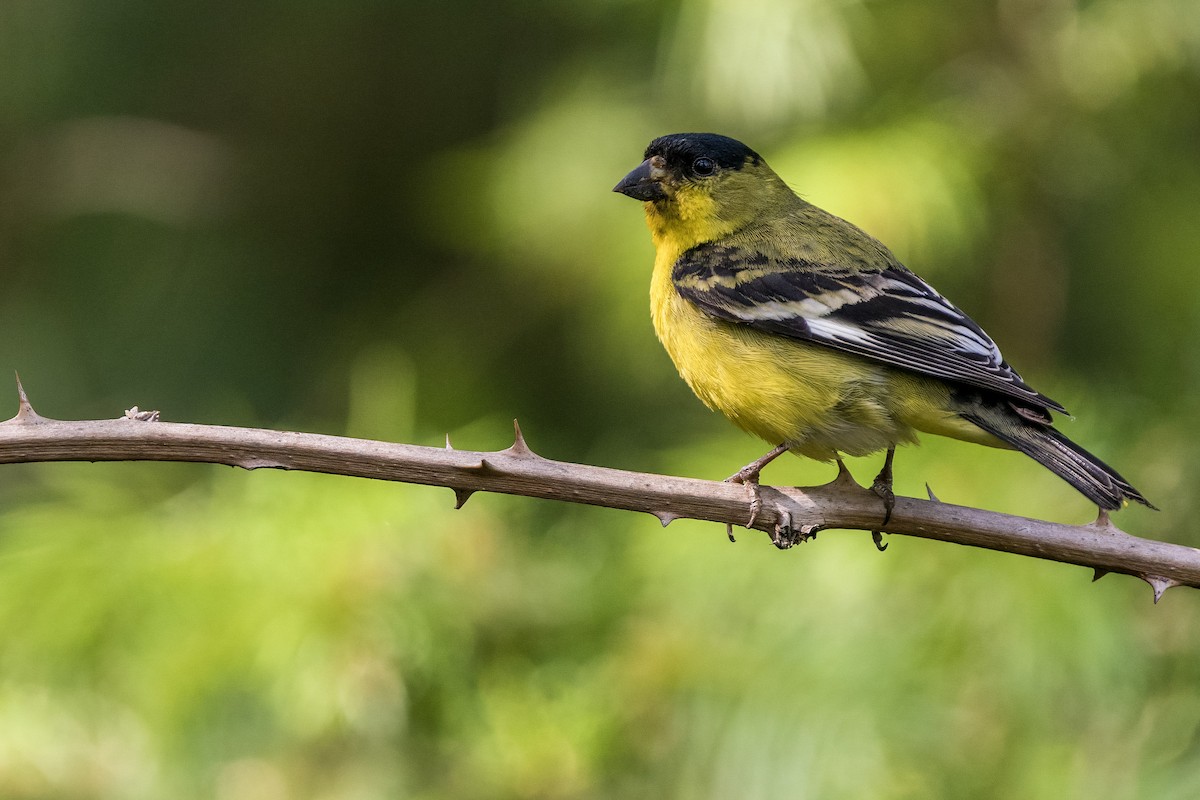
{"x":1096,"y":480}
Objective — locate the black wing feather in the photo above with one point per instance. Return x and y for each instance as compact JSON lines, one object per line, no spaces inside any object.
{"x":890,"y":316}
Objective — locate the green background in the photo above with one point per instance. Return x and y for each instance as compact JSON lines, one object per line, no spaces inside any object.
{"x":394,"y":220}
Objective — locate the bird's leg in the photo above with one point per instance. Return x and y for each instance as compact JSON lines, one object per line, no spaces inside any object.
{"x":883,"y":486}
{"x":748,"y":477}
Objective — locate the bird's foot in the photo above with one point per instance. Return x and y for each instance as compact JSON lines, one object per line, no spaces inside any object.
{"x":882,"y":487}
{"x":750,"y":481}
{"x":884,"y":492}
{"x":748,"y":477}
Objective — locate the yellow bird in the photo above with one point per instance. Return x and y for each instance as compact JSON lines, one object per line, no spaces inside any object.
{"x":809,"y":333}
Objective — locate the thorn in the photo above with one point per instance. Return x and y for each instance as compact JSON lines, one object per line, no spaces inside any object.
{"x":665,"y":517}
{"x":25,"y":412}
{"x":448,"y":445}
{"x":519,"y":446}
{"x":844,"y":478}
{"x":461,"y":496}
{"x":1098,"y":574}
{"x":877,"y":538}
{"x":482,"y":466}
{"x":1104,"y":523}
{"x":1159,"y":584}
{"x":932,"y":496}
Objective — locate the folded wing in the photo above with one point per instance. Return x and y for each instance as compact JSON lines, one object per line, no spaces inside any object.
{"x":890,"y":316}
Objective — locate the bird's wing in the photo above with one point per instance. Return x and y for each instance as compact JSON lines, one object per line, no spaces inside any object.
{"x":890,"y":316}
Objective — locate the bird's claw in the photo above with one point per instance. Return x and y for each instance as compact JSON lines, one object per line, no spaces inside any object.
{"x":882,"y":487}
{"x":877,"y":538}
{"x":749,"y":478}
{"x":883,"y":490}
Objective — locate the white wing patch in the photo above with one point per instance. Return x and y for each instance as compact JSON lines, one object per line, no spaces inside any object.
{"x":890,"y":316}
{"x":841,"y":331}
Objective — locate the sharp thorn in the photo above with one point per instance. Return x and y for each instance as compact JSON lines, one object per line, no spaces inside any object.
{"x":1098,"y":574}
{"x":25,"y":412}
{"x":665,"y":517}
{"x":482,"y":466}
{"x":1159,"y":584}
{"x":843,"y":478}
{"x":932,"y":496}
{"x":461,"y":496}
{"x":877,"y":538}
{"x":448,"y":445}
{"x":519,"y":446}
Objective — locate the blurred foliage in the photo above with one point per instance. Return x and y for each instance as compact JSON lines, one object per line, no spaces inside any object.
{"x":394,"y":220}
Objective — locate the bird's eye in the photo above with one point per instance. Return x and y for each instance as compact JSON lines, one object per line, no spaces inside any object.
{"x":703,"y":166}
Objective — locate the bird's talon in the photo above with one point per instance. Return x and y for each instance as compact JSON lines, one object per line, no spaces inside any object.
{"x":884,"y":493}
{"x":882,"y":487}
{"x":877,"y":538}
{"x":751,"y":484}
{"x":755,"y":504}
{"x":729,"y":531}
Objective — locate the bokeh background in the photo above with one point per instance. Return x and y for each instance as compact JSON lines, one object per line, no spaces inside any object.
{"x":394,"y":220}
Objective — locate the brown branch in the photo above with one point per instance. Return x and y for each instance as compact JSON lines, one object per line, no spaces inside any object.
{"x":139,"y":436}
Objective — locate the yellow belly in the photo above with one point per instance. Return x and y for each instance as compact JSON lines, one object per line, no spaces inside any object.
{"x":820,"y":402}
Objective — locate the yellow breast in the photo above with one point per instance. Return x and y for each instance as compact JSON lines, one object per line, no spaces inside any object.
{"x":779,"y":389}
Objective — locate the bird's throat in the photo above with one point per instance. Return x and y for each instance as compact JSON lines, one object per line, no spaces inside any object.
{"x":680,"y":224}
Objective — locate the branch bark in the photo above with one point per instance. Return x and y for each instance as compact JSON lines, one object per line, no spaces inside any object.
{"x":139,"y":436}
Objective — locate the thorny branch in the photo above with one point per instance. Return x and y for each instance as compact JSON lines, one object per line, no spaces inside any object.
{"x":140,"y":436}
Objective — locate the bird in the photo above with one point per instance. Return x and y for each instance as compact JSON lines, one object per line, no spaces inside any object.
{"x":809,"y":333}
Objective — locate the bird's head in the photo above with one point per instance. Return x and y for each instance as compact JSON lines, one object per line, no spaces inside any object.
{"x":698,"y":187}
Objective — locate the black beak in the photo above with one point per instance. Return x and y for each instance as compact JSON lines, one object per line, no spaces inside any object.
{"x":640,"y":185}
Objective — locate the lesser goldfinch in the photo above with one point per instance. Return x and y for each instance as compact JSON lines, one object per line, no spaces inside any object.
{"x":809,"y":333}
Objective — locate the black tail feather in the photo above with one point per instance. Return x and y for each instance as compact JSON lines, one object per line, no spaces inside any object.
{"x":1096,"y":480}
